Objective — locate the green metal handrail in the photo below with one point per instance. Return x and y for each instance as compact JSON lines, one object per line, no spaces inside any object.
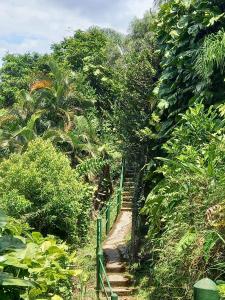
{"x":103,"y":271}
{"x":115,"y":203}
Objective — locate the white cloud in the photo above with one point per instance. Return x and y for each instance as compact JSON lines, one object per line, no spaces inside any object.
{"x":40,"y":23}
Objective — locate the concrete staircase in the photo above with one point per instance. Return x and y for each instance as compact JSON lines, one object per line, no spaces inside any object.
{"x":115,"y":249}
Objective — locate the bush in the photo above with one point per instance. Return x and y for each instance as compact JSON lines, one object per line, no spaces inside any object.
{"x":41,"y":187}
{"x":33,"y":267}
{"x":186,"y":209}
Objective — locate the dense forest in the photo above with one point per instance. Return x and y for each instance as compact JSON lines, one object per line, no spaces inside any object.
{"x":154,"y":97}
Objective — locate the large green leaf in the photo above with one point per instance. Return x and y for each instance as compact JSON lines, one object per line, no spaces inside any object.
{"x":7,"y":279}
{"x":8,"y":242}
{"x":12,"y":260}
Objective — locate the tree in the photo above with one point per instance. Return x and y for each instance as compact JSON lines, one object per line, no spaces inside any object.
{"x":16,"y":75}
{"x":73,"y":50}
{"x":48,"y":110}
{"x":93,"y":53}
{"x":137,"y":71}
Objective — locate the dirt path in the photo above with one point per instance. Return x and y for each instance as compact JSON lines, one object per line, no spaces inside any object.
{"x":116,"y":241}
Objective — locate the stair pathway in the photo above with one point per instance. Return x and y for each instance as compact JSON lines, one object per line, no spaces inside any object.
{"x":115,"y":249}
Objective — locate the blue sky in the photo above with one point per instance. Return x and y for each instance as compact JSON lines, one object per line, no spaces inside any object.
{"x":33,"y":25}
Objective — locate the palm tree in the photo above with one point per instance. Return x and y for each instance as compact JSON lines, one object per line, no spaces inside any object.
{"x":58,"y":95}
{"x":48,"y":110}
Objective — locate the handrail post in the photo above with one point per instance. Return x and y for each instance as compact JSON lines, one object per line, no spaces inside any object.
{"x":122,"y":174}
{"x":99,"y":234}
{"x":123,"y":164}
{"x":98,"y":256}
{"x":99,"y":271}
{"x":206,"y":289}
{"x":118,"y":202}
{"x":114,"y":296}
{"x":107,"y":219}
{"x":119,"y":199}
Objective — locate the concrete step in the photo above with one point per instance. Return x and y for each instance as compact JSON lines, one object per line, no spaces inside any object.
{"x":115,"y":267}
{"x":131,"y":171}
{"x":123,"y":291}
{"x":129,"y":184}
{"x":118,"y":280}
{"x":128,"y":188}
{"x":128,"y":194}
{"x":127,"y":204}
{"x":129,"y":177}
{"x":126,"y":209}
{"x":127,"y":199}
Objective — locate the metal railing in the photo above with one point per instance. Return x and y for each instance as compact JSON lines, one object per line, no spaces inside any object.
{"x":105,"y":221}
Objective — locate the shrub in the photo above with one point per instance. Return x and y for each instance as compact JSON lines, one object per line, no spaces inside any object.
{"x":186,"y":209}
{"x":33,"y":267}
{"x":41,"y":187}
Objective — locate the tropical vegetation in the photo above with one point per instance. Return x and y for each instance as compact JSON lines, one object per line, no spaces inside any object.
{"x":154,"y":96}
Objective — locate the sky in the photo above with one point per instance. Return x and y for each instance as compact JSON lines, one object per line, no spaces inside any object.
{"x":33,"y":25}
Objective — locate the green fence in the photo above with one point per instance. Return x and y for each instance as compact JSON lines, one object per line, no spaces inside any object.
{"x":105,"y":221}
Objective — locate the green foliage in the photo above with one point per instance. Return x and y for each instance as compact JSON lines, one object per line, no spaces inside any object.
{"x":211,"y":55}
{"x":83,"y":44}
{"x":137,"y":73}
{"x":40,"y":186}
{"x":92,"y":53}
{"x":181,"y":29}
{"x":16,"y":75}
{"x":185,"y":244}
{"x":102,"y":91}
{"x":140,"y":27}
{"x":33,"y":267}
{"x":90,"y":166}
{"x":197,"y":128}
{"x":48,"y":111}
{"x":221,"y":288}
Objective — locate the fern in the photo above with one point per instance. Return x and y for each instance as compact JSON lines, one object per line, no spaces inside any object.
{"x":186,"y":241}
{"x":92,"y":165}
{"x":221,"y":109}
{"x":211,"y":55}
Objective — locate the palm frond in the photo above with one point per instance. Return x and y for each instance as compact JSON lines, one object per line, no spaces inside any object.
{"x":211,"y":55}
